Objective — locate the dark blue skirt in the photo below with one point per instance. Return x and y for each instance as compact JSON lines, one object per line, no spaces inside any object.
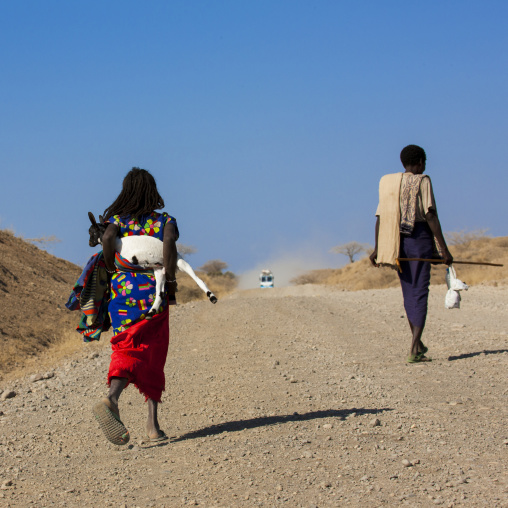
{"x":415,"y":276}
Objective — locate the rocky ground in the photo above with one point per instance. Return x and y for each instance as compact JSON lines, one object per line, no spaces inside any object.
{"x":295,"y":396}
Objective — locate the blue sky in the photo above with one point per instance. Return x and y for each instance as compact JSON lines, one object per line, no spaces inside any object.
{"x":267,"y":124}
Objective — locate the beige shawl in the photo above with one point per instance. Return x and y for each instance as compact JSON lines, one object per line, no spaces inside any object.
{"x":388,"y":243}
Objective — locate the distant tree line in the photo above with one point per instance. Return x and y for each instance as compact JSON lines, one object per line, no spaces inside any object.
{"x":213,"y":268}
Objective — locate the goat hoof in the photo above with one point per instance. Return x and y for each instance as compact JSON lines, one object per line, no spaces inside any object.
{"x":213,"y":298}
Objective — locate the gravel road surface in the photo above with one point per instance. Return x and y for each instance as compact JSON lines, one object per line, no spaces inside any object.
{"x":296,"y":396}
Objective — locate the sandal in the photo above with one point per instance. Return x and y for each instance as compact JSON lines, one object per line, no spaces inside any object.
{"x":110,"y":423}
{"x":420,"y":357}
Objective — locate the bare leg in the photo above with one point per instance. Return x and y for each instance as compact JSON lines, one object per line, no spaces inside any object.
{"x":152,"y":425}
{"x":115,"y":389}
{"x":185,"y":267}
{"x":416,"y":342}
{"x":107,"y":414}
{"x":159,"y":291}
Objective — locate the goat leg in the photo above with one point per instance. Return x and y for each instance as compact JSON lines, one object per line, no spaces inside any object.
{"x":185,"y":267}
{"x":160,"y":281}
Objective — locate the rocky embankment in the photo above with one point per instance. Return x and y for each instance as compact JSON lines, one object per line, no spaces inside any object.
{"x":34,"y":287}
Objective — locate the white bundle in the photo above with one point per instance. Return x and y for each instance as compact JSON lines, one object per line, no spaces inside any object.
{"x":452,"y":298}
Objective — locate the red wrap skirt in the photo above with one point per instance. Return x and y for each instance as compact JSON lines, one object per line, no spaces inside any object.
{"x":139,"y":354}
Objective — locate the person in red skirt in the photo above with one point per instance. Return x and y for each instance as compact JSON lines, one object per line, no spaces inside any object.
{"x":139,"y":345}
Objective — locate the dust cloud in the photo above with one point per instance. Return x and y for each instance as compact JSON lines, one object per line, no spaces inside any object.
{"x":285,"y":267}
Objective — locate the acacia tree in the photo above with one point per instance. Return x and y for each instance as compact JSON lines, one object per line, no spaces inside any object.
{"x":351,"y":249}
{"x":185,"y":250}
{"x":214,"y":267}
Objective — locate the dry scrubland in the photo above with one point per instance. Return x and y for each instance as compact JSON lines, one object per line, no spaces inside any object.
{"x":34,"y":287}
{"x":362,"y":275}
{"x":295,"y":397}
{"x":220,"y":285}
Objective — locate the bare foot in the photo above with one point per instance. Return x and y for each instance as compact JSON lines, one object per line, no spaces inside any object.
{"x":154,"y":432}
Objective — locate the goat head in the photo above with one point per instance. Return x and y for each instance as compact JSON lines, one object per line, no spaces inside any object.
{"x":96,"y":230}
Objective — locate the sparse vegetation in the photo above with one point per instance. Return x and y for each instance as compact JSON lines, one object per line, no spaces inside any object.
{"x":49,"y":324}
{"x":185,"y":250}
{"x":465,"y":238}
{"x":214,"y":267}
{"x":362,"y":275}
{"x":351,"y":249}
{"x":26,"y":273}
{"x":313,"y":277}
{"x":44,"y":241}
{"x":221,"y":285}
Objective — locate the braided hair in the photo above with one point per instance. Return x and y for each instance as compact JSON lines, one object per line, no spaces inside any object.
{"x":139,"y":196}
{"x":412,"y":155}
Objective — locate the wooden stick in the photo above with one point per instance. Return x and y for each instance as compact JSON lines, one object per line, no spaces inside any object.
{"x":454,"y":262}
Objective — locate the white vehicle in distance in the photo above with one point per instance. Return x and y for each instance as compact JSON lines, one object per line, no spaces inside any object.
{"x":266,"y":279}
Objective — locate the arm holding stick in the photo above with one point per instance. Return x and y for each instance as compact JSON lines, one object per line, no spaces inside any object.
{"x":435,"y":227}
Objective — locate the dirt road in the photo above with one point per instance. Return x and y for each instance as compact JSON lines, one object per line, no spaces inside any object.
{"x":294,"y":396}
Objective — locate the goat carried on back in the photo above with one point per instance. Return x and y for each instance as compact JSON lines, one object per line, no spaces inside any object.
{"x":146,"y":252}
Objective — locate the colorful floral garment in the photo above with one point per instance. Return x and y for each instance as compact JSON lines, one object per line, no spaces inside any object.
{"x":133,"y":288}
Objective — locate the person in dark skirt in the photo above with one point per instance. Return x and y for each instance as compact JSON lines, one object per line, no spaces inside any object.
{"x":408,"y":226}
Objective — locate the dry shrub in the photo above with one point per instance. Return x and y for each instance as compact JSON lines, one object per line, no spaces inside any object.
{"x":185,"y":250}
{"x":219,"y":285}
{"x":214,"y":267}
{"x":352,"y":277}
{"x":312,"y":277}
{"x":44,"y":241}
{"x":362,"y":275}
{"x":492,"y":250}
{"x":465,"y":237}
